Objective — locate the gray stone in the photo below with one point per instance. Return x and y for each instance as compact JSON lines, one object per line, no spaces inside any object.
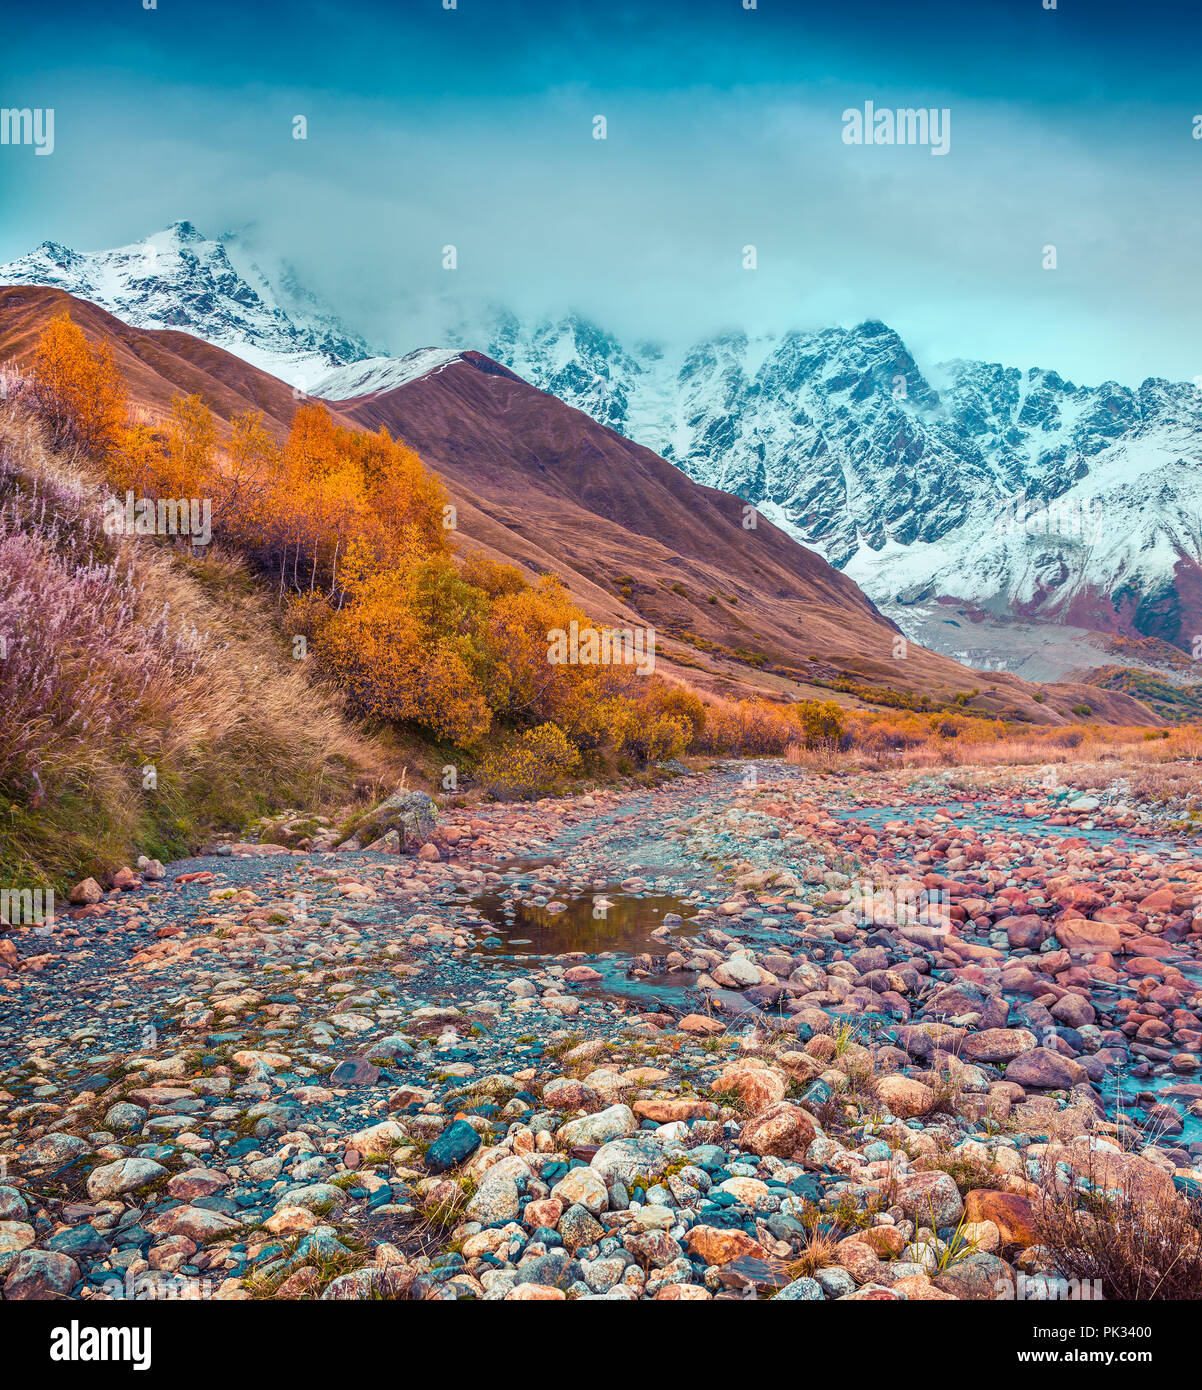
{"x":579,"y":1228}
{"x":123,"y":1117}
{"x":13,"y":1207}
{"x":600,"y":1128}
{"x":809,"y":1290}
{"x":126,"y":1175}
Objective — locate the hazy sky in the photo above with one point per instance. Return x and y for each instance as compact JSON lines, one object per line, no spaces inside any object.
{"x":1070,"y":127}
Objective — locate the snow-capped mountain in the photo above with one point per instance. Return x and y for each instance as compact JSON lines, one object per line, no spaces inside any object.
{"x":1016,"y":491}
{"x":214,"y":289}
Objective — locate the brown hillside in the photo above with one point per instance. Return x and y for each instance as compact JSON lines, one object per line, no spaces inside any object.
{"x":633,"y":537}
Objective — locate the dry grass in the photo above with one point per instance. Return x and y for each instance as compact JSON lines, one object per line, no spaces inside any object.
{"x":1139,"y":1249}
{"x":128,"y":654}
{"x":1162,"y":768}
{"x":818,"y":1252}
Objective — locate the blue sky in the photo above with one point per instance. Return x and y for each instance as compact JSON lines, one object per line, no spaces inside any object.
{"x":1069,"y":127}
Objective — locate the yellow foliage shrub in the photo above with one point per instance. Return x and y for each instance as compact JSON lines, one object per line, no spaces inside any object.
{"x":75,"y":390}
{"x":652,"y":738}
{"x":529,"y":766}
{"x":394,"y":666}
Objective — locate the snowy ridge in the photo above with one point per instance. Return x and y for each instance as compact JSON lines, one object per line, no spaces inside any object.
{"x":382,"y":373}
{"x":178,"y":279}
{"x":906,"y":479}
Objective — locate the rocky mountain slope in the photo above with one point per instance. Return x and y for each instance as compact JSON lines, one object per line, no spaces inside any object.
{"x":1016,"y":491}
{"x":179,"y":279}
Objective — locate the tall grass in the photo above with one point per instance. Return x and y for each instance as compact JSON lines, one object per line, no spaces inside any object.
{"x":1084,"y":755}
{"x":146,"y":697}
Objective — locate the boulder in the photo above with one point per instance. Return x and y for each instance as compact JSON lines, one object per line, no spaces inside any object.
{"x":582,"y":1187}
{"x":1078,"y":934}
{"x":455,"y":1144}
{"x":411,"y":814}
{"x":40,"y":1275}
{"x":85,"y":893}
{"x":978,"y":1277}
{"x":930,"y":1199}
{"x":717,"y":1246}
{"x":737,"y":973}
{"x":997,"y":1044}
{"x":126,"y":1175}
{"x":756,"y":1085}
{"x":781,"y":1129}
{"x":600,"y":1128}
{"x":1011,"y":1213}
{"x":1046,"y":1070}
{"x":906,"y":1097}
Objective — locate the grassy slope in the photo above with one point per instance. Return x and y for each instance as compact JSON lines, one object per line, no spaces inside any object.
{"x":239,"y":732}
{"x":1176,"y":704}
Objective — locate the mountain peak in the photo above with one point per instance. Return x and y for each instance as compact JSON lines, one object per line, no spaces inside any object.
{"x":179,"y":279}
{"x":184,"y":231}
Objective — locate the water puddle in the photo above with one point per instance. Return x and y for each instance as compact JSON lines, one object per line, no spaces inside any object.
{"x":1134,"y":1096}
{"x":520,"y":866}
{"x":608,"y":927}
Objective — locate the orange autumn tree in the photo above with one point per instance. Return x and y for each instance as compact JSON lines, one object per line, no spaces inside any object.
{"x":189,"y":447}
{"x":249,"y":482}
{"x":335,"y":486}
{"x":409,"y":505}
{"x":136,"y":463}
{"x":75,"y":390}
{"x":402,"y":646}
{"x":177,"y":459}
{"x":525,"y":687}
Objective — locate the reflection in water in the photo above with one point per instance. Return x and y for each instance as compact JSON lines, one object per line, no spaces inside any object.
{"x":602,"y":921}
{"x":609,"y":926}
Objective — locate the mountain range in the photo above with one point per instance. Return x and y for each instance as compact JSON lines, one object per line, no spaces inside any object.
{"x":1005,"y":516}
{"x":214,"y":289}
{"x":1014,"y":496}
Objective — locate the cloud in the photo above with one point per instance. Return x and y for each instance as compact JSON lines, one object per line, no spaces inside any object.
{"x":645,"y":230}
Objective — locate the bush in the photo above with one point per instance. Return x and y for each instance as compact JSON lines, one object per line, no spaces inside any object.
{"x":493,"y":577}
{"x":75,"y":391}
{"x":653,"y":739}
{"x":398,"y":667}
{"x":821,"y":723}
{"x":529,"y":766}
{"x":1140,"y":1250}
{"x":675,"y":700}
